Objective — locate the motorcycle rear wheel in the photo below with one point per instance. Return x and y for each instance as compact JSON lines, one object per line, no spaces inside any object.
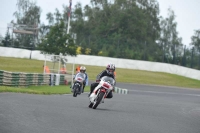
{"x":99,"y":98}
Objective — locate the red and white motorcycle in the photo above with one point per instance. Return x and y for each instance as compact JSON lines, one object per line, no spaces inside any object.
{"x":106,"y":85}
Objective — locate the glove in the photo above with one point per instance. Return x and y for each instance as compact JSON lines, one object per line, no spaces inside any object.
{"x":98,"y":81}
{"x":113,"y":90}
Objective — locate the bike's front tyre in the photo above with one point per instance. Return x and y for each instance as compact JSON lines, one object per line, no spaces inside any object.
{"x":91,"y":104}
{"x":98,"y":100}
{"x":75,"y":92}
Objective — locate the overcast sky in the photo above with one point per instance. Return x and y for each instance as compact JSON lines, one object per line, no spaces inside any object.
{"x":186,"y":11}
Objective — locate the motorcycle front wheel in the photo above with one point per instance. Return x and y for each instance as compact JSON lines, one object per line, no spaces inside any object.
{"x":98,"y":100}
{"x":91,"y":104}
{"x":75,"y":92}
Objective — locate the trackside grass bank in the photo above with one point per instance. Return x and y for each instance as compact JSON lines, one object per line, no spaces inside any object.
{"x":123,"y":75}
{"x":44,"y":90}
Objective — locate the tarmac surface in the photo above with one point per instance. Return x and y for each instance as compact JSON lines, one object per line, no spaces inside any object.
{"x":145,"y":109}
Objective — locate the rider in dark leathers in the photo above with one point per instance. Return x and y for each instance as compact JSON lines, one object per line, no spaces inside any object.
{"x":108,"y":72}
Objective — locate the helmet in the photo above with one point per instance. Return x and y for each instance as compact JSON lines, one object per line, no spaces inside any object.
{"x":110,"y":68}
{"x":82,"y":69}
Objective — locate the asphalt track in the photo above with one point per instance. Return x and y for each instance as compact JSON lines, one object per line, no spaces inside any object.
{"x":146,"y":109}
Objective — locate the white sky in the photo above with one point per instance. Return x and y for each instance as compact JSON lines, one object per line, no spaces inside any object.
{"x":186,"y":12}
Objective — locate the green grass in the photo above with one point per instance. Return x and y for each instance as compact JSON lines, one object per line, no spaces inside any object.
{"x":158,"y":78}
{"x":45,"y":90}
{"x":123,"y":75}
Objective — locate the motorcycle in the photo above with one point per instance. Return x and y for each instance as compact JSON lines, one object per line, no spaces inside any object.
{"x":105,"y":85}
{"x":79,"y":80}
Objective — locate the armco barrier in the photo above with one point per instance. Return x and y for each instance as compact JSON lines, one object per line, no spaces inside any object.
{"x":121,"y":91}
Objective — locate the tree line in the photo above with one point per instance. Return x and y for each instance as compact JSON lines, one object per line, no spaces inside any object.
{"x":131,"y":29}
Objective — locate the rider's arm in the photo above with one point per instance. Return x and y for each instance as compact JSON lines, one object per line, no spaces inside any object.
{"x":100,"y":75}
{"x":86,"y":78}
{"x":74,"y":76}
{"x":113,"y":76}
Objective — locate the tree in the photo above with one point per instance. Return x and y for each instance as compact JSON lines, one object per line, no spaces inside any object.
{"x":124,"y":25}
{"x":196,"y":43}
{"x":28,"y":14}
{"x":55,"y":41}
{"x":1,"y":39}
{"x":169,"y":39}
{"x":196,"y":39}
{"x":7,"y":40}
{"x":54,"y":19}
{"x":50,"y":18}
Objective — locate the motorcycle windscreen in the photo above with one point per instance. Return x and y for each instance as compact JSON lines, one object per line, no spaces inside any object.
{"x":108,"y":79}
{"x":80,"y":77}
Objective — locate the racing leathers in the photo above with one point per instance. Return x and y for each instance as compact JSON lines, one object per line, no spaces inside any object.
{"x":84,"y":83}
{"x":99,"y":76}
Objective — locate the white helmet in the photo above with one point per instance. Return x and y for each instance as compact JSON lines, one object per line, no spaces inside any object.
{"x":82,"y":69}
{"x":110,"y":69}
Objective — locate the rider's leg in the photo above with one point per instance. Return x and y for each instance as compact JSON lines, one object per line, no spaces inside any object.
{"x":83,"y":87}
{"x":110,"y":95}
{"x":92,"y":87}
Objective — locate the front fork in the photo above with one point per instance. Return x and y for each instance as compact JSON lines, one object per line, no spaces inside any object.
{"x":75,"y":84}
{"x":105,"y":95}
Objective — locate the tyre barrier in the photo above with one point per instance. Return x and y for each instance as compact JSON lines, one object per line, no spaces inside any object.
{"x":19,"y":79}
{"x":121,"y":91}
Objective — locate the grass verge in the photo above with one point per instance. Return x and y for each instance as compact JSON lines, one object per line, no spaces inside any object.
{"x":123,"y":75}
{"x":44,"y":90}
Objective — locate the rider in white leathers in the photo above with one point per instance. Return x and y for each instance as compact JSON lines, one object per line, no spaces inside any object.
{"x":83,"y":70}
